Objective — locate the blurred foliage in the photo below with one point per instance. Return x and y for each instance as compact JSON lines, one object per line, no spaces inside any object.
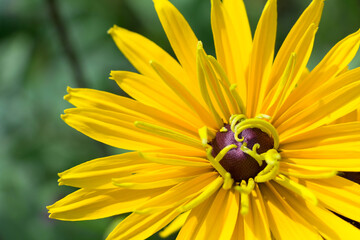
{"x":34,"y":72}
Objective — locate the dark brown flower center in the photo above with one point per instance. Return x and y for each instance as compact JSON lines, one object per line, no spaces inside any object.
{"x":239,"y":164}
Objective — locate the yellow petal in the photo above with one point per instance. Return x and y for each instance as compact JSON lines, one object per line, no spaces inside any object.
{"x":241,"y":27}
{"x":153,"y":92}
{"x":175,"y":225}
{"x":98,"y":173}
{"x":351,"y":117}
{"x":256,"y":223}
{"x":292,"y":42}
{"x":321,"y":112}
{"x":164,"y":175}
{"x":337,"y":194}
{"x":336,"y":164}
{"x":191,"y":101}
{"x":302,"y":53}
{"x":261,"y":56}
{"x":284,"y":221}
{"x":331,"y":85}
{"x":221,"y":217}
{"x":94,"y":204}
{"x":180,"y":193}
{"x":196,"y":218}
{"x":308,"y":172}
{"x":230,"y":50}
{"x":182,"y":39}
{"x":326,"y":152}
{"x":140,"y":51}
{"x":89,"y":98}
{"x":177,"y":160}
{"x":332,"y":64}
{"x":326,"y":135}
{"x":114,"y":129}
{"x":239,"y":232}
{"x":142,"y":226}
{"x":327,"y":223}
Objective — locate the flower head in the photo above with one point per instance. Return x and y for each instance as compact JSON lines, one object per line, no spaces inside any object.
{"x":239,"y":146}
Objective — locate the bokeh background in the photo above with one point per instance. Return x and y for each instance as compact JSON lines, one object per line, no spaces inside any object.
{"x":47,"y":45}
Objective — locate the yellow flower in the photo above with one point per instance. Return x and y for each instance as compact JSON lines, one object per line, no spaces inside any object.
{"x":244,"y":146}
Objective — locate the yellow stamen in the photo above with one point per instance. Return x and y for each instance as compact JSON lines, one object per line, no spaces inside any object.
{"x":223,"y":129}
{"x":299,"y":189}
{"x":203,"y":87}
{"x":213,"y":83}
{"x":236,"y":119}
{"x":168,"y":159}
{"x":209,"y":190}
{"x":237,"y":98}
{"x":223,"y":152}
{"x":203,"y":133}
{"x":167,"y":133}
{"x":238,"y":126}
{"x":245,"y":202}
{"x":225,"y":83}
{"x":253,"y":152}
{"x":245,"y":189}
{"x":183,"y":93}
{"x":313,"y":176}
{"x":228,"y":181}
{"x":175,"y":225}
{"x":214,"y":163}
{"x":269,"y":173}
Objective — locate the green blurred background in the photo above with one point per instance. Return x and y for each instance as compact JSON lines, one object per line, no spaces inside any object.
{"x":47,"y":45}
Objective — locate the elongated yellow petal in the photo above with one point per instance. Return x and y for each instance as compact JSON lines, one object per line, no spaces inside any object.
{"x":292,"y":42}
{"x":239,"y":230}
{"x":89,"y":98}
{"x":338,"y":194}
{"x":114,"y":129}
{"x":207,"y":192}
{"x":228,"y":45}
{"x":142,"y":226}
{"x":196,"y":218}
{"x":351,"y":117}
{"x":329,"y":86}
{"x":177,"y":160}
{"x":261,"y":56}
{"x":98,"y":173}
{"x":332,"y":64}
{"x":161,"y":177}
{"x":221,"y":217}
{"x":241,"y":27}
{"x":179,"y":194}
{"x":153,"y":92}
{"x":213,"y":83}
{"x":182,"y":39}
{"x":322,"y":219}
{"x":302,"y":53}
{"x":307,"y":172}
{"x":323,"y":111}
{"x":259,"y":217}
{"x":184,"y":94}
{"x":336,"y":164}
{"x":175,"y":225}
{"x":94,"y":204}
{"x":140,"y":50}
{"x":326,"y":135}
{"x":284,"y":221}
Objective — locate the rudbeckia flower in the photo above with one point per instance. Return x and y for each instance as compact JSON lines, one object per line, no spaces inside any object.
{"x":242,"y":146}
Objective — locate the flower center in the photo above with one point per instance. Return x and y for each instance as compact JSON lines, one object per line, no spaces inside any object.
{"x":241,"y":165}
